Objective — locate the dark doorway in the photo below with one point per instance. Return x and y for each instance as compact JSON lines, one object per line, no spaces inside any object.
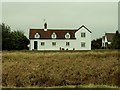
{"x":35,"y":44}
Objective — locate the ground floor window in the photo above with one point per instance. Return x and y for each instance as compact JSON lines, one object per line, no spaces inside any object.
{"x":42,"y":43}
{"x":53,"y":43}
{"x":82,"y":44}
{"x":67,"y":43}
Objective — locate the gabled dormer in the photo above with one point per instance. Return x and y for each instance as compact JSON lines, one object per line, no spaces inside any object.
{"x":67,"y":36}
{"x":54,"y":36}
{"x":37,"y":35}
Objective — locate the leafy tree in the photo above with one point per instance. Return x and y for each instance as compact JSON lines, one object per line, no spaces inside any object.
{"x":116,"y":41}
{"x":96,"y":44}
{"x":5,"y":36}
{"x":13,"y":40}
{"x":19,"y":41}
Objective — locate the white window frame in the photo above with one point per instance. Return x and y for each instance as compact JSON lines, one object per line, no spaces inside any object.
{"x":54,"y":35}
{"x":37,"y":35}
{"x":67,"y":35}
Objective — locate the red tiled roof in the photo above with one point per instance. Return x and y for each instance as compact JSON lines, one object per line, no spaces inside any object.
{"x":59,"y":32}
{"x":109,"y":36}
{"x":47,"y":34}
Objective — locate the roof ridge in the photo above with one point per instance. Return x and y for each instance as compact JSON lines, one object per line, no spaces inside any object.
{"x":84,"y":27}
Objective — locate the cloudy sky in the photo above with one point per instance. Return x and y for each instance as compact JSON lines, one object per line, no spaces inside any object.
{"x":99,"y":17}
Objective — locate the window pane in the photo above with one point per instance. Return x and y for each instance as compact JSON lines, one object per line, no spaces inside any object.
{"x":82,"y":34}
{"x":82,"y":44}
{"x":67,"y":43}
{"x":42,"y":43}
{"x":53,"y":43}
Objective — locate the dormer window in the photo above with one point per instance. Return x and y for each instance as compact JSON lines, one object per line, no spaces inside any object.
{"x":67,"y":35}
{"x":54,"y":35}
{"x":37,"y":35}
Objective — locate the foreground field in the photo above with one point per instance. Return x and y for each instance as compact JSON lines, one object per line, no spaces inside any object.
{"x":36,"y":69}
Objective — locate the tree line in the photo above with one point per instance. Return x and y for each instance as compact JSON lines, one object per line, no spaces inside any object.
{"x":13,"y":40}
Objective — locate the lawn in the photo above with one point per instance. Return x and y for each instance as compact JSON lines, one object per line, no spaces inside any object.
{"x":47,"y":69}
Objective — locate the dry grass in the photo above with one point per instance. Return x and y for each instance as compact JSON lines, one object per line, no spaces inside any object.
{"x":28,"y":69}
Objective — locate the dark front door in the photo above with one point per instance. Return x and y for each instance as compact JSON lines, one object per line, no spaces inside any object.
{"x":35,"y":44}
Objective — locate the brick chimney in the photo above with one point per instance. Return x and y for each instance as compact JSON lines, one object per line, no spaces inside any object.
{"x":45,"y":25}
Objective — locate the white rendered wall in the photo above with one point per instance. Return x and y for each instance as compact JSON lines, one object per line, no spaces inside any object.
{"x":48,"y":44}
{"x":80,"y":39}
{"x":103,"y":42}
{"x":106,"y":39}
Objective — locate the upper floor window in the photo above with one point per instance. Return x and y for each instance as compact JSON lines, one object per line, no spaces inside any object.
{"x":54,"y":35}
{"x":67,"y":43}
{"x":37,"y":35}
{"x":82,"y":44}
{"x":67,"y":35}
{"x":83,"y":34}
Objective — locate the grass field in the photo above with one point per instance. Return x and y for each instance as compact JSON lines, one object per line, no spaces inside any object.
{"x":46,"y":69}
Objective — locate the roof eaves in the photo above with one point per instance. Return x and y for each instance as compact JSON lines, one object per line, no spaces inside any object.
{"x":85,"y":28}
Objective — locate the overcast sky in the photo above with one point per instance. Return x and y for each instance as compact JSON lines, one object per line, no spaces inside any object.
{"x":99,"y":17}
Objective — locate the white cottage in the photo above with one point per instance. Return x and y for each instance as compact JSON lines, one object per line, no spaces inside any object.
{"x":60,"y":39}
{"x":107,"y":39}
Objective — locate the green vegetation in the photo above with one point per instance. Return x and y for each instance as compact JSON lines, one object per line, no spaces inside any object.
{"x":96,"y":43}
{"x":13,"y":40}
{"x":46,"y":69}
{"x":116,"y":41}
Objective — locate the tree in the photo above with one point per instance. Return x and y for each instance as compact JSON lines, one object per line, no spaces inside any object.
{"x":19,"y":40}
{"x":96,"y":44}
{"x":116,"y":41}
{"x":5,"y":36}
{"x":13,"y":40}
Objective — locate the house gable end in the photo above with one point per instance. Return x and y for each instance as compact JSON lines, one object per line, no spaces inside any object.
{"x":85,"y":28}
